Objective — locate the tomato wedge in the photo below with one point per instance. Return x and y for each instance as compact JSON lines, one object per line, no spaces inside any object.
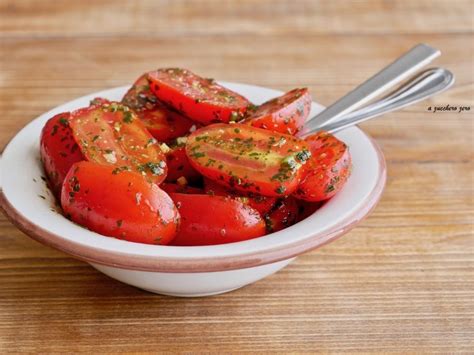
{"x":123,"y":205}
{"x":139,"y":97}
{"x":248,"y":159}
{"x":99,"y":101}
{"x":202,"y":100}
{"x":112,"y":134}
{"x":282,"y":215}
{"x":307,"y":208}
{"x":207,"y":220}
{"x":327,"y":170}
{"x":284,"y":114}
{"x":182,"y":189}
{"x":262,"y":204}
{"x":58,"y":150}
{"x":163,"y":123}
{"x":179,"y":166}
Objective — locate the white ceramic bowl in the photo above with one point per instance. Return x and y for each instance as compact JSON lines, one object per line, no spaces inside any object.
{"x":183,"y":271}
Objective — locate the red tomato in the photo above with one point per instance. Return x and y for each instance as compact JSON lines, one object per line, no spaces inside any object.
{"x":164,"y":124}
{"x":207,"y":220}
{"x":200,"y":99}
{"x":122,"y":205}
{"x":284,"y":114}
{"x":262,"y":204}
{"x":99,"y":101}
{"x":282,"y":215}
{"x":179,"y":166}
{"x":182,"y":189}
{"x":112,"y":134}
{"x":139,"y":97}
{"x":248,"y":159}
{"x":58,"y":150}
{"x":306,"y":209}
{"x":327,"y":170}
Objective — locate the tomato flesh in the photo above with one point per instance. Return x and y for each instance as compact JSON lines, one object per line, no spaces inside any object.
{"x":327,"y":170}
{"x":284,"y":114}
{"x":163,"y":123}
{"x":248,"y":159}
{"x":123,"y":205}
{"x":112,"y":134}
{"x":207,"y":220}
{"x":202,"y":100}
{"x":58,"y":150}
{"x":262,"y":204}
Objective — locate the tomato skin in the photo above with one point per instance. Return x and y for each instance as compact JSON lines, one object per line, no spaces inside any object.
{"x":248,"y":159}
{"x":262,"y":204}
{"x":200,"y":99}
{"x":112,"y":134}
{"x":284,"y":114}
{"x":179,"y":166}
{"x":122,"y":205}
{"x":282,"y":215}
{"x":223,"y":220}
{"x":163,"y":123}
{"x":327,"y":170}
{"x":58,"y":150}
{"x":307,"y":208}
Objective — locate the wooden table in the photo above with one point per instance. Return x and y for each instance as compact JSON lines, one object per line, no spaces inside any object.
{"x":402,"y":281}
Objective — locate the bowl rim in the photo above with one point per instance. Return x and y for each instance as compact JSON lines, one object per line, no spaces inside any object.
{"x":153,"y":263}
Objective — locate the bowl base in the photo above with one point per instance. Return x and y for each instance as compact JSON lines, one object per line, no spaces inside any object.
{"x":190,"y":295}
{"x":196,"y":284}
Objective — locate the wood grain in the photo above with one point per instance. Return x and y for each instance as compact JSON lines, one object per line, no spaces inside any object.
{"x":401,"y":282}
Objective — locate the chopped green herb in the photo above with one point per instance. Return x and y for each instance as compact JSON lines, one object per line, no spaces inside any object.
{"x":303,"y":156}
{"x":329,"y":188}
{"x":64,"y":121}
{"x":150,"y":142}
{"x":280,"y":189}
{"x":120,"y":169}
{"x":127,"y":117}
{"x":234,"y":116}
{"x":210,"y":162}
{"x":198,"y":155}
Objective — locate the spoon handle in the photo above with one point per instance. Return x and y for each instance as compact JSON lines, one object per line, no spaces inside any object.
{"x":427,"y":84}
{"x":395,"y":72}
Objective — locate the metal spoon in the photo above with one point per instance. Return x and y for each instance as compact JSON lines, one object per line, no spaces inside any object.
{"x":391,"y":75}
{"x":428,"y":83}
